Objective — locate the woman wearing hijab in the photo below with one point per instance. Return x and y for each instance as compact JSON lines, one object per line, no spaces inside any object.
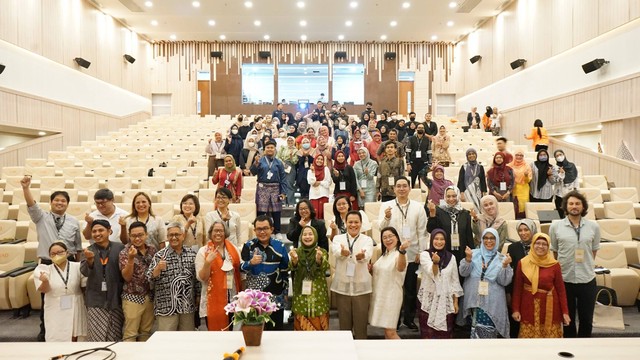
{"x":388,"y":273}
{"x":305,"y":160}
{"x":249,"y":153}
{"x":341,"y":145}
{"x":366,"y":136}
{"x":308,"y":264}
{"x":229,"y":177}
{"x":453,"y":219}
{"x":366,"y":170}
{"x":438,"y":184}
{"x":344,"y":178}
{"x":518,"y":250}
{"x":539,"y":136}
{"x":487,"y":272}
{"x":471,"y":180}
{"x":522,"y":177}
{"x":234,"y":143}
{"x":500,"y":178}
{"x":539,"y":299}
{"x":489,"y":218}
{"x":292,"y":130}
{"x":570,"y":181}
{"x":65,"y":315}
{"x":374,"y":144}
{"x":355,"y":144}
{"x":288,"y":154}
{"x":384,"y":132}
{"x":319,"y":178}
{"x":544,"y":176}
{"x":218,"y":269}
{"x":440,"y":147}
{"x":439,"y":290}
{"x":215,"y":151}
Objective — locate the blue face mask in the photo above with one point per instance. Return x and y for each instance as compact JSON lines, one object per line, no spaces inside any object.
{"x":543,"y":158}
{"x":306,"y":146}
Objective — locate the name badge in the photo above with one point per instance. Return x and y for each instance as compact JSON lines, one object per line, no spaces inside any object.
{"x":66,"y":302}
{"x":455,"y":240}
{"x":287,"y":169}
{"x":306,"y":164}
{"x":418,"y":154}
{"x":351,"y":269}
{"x":406,"y":232}
{"x":503,"y":186}
{"x":290,"y":288}
{"x":483,"y":288}
{"x":306,"y":287}
{"x":343,"y":186}
{"x":227,"y":182}
{"x":104,"y":286}
{"x":229,"y":280}
{"x":579,"y":255}
{"x":391,"y":181}
{"x":363,"y":183}
{"x":269,"y":175}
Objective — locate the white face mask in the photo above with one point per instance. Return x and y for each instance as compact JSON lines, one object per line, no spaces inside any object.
{"x":341,"y":126}
{"x":234,"y":131}
{"x":560,"y":158}
{"x":251,"y":144}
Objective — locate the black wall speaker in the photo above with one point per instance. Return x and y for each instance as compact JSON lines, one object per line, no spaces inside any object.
{"x":475,"y":59}
{"x":129,"y":58}
{"x":341,"y":54}
{"x":216,"y":54}
{"x":516,"y":64}
{"x":593,"y":65}
{"x":264,"y":54}
{"x":390,"y":55}
{"x":2,"y":67}
{"x":82,"y":62}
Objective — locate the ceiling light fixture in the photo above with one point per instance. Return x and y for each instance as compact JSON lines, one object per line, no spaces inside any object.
{"x":340,"y":37}
{"x":434,"y":37}
{"x":172,"y":37}
{"x":453,"y":4}
{"x":353,"y":4}
{"x":300,"y":4}
{"x":406,"y":5}
{"x":196,"y":4}
{"x":257,"y":23}
{"x":267,"y":37}
{"x":211,"y":22}
{"x":383,"y":37}
{"x":449,"y":23}
{"x":222,"y":37}
{"x":348,"y":23}
{"x":148,"y":4}
{"x":393,"y":23}
{"x":248,"y":4}
{"x":303,"y":23}
{"x":303,"y":37}
{"x":154,"y":22}
{"x":42,"y":133}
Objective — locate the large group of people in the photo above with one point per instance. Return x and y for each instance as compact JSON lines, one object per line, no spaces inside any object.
{"x":139,"y":271}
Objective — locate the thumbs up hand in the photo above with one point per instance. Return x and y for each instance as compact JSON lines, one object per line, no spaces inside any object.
{"x":257,"y":258}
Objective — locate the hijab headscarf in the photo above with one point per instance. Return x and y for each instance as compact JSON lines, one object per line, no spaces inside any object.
{"x":471,"y":171}
{"x":445,"y":256}
{"x":319,"y":172}
{"x":499,"y":172}
{"x":520,"y":167}
{"x":339,"y":165}
{"x":570,"y":170}
{"x":484,"y":255}
{"x":528,"y":223}
{"x":532,"y":263}
{"x":367,"y":159}
{"x":455,"y":209}
{"x":438,"y":187}
{"x":542,"y":167}
{"x":253,"y":150}
{"x":233,"y":166}
{"x":486,"y":220}
{"x":308,"y":268}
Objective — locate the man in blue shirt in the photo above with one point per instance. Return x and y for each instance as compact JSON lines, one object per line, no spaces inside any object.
{"x":265,"y":261}
{"x":272,"y":186}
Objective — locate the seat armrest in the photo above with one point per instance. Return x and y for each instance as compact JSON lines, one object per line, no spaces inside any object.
{"x":635,"y":266}
{"x":604,"y":240}
{"x":635,"y":238}
{"x":23,"y":270}
{"x":601,"y":270}
{"x":18,"y":241}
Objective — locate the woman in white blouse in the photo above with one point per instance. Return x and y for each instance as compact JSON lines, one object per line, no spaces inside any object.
{"x":351,"y":280}
{"x":230,"y":218}
{"x":65,"y":315}
{"x":439,"y":290}
{"x":141,"y":211}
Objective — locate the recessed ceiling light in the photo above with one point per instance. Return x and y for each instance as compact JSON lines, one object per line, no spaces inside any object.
{"x":303,"y":37}
{"x":172,"y":36}
{"x":248,"y":4}
{"x":383,"y":37}
{"x":211,"y":22}
{"x":42,"y":133}
{"x":148,"y":4}
{"x":393,"y":23}
{"x":434,"y":37}
{"x":453,"y":4}
{"x":303,"y":23}
{"x":154,"y":22}
{"x":266,"y":37}
{"x":340,"y":37}
{"x":353,"y":4}
{"x":196,"y":4}
{"x":222,"y":37}
{"x":348,"y":23}
{"x":257,"y":23}
{"x":300,"y":4}
{"x":406,"y":5}
{"x":449,"y":23}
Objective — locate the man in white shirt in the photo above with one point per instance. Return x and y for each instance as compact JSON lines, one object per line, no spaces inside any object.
{"x":107,"y":210}
{"x":410,"y":220}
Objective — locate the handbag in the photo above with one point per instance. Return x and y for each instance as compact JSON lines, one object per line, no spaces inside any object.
{"x":607,"y":316}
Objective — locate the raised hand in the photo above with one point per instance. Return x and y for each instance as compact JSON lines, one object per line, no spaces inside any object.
{"x":25,"y":182}
{"x":432,"y":208}
{"x":88,"y":219}
{"x":344,"y":251}
{"x":162,"y":265}
{"x":474,"y":215}
{"x":468,"y":253}
{"x":405,"y":245}
{"x":257,"y":258}
{"x":293,"y":255}
{"x":211,"y":255}
{"x":192,"y":220}
{"x":318,"y":255}
{"x":360,"y":255}
{"x":506,"y":261}
{"x":387,"y":212}
{"x":122,"y":221}
{"x":435,"y":258}
{"x":132,"y":252}
{"x":89,"y":256}
{"x":43,"y":276}
{"x":333,"y":226}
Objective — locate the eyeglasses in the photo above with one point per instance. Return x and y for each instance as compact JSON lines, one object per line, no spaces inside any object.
{"x":62,"y":252}
{"x":263,"y":229}
{"x":389,"y":237}
{"x":173,"y":236}
{"x":489,"y":239}
{"x":102,"y":202}
{"x":136,"y":236}
{"x":218,"y":231}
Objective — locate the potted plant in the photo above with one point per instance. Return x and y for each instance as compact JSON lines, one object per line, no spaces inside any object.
{"x":252,"y":308}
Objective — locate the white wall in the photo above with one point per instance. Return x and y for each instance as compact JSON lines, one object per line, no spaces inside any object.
{"x":38,"y":76}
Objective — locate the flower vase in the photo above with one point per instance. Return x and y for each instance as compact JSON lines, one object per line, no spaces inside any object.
{"x":252,"y":334}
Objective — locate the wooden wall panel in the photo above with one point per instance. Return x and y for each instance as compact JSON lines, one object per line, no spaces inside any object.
{"x":564,"y":110}
{"x":562,"y":26}
{"x":29,"y":112}
{"x":511,"y":42}
{"x":9,"y":21}
{"x":587,"y":105}
{"x":631,"y":129}
{"x":497,"y":61}
{"x":612,"y":135}
{"x":30,"y":32}
{"x":542,"y":32}
{"x":634,"y":9}
{"x":544,"y":112}
{"x":586,"y":17}
{"x":92,"y":25}
{"x":612,"y":14}
{"x":53,"y":30}
{"x":71,"y":126}
{"x":635,"y":94}
{"x":616,"y":100}
{"x":9,"y":108}
{"x":51,"y":116}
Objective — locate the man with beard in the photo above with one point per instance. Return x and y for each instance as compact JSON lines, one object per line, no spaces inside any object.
{"x":418,"y":147}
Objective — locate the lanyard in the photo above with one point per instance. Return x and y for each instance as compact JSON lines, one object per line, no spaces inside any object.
{"x":59,"y":225}
{"x":269,"y":163}
{"x":65,"y":281}
{"x":486,"y":266}
{"x":350,"y":244}
{"x":221,"y":219}
{"x":577,"y":230}
{"x":146,"y":221}
{"x":404,"y":214}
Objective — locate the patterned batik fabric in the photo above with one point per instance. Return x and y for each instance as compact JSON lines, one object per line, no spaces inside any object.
{"x":104,"y":324}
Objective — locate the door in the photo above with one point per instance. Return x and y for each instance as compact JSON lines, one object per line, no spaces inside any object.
{"x":405,"y":94}
{"x":204,"y":97}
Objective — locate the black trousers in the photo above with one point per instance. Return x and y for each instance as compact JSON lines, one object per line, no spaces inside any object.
{"x":541,"y":147}
{"x":278,"y":318}
{"x":410,"y":295}
{"x":533,"y":199}
{"x":580,"y":297}
{"x":415,"y":170}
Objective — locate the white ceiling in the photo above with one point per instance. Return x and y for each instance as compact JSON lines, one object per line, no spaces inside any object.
{"x":280,"y":19}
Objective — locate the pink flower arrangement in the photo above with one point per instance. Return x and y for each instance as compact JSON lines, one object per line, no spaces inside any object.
{"x":252,"y":307}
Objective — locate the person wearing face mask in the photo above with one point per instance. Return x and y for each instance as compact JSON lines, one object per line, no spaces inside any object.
{"x":305,"y":159}
{"x":367,"y":111}
{"x":341,"y":130}
{"x":234,"y":143}
{"x":60,"y":281}
{"x":570,"y":181}
{"x":289,"y":156}
{"x":366,"y":170}
{"x":246,"y":126}
{"x":544,"y":176}
{"x":472,"y":181}
{"x":249,"y":153}
{"x":365,"y":135}
{"x":418,"y":153}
